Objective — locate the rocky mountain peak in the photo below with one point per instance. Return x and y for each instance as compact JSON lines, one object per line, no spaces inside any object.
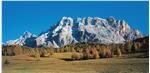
{"x":75,"y":30}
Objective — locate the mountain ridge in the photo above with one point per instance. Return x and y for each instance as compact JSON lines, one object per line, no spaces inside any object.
{"x":91,"y":29}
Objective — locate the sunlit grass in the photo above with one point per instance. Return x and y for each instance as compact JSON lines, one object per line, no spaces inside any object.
{"x":55,"y":64}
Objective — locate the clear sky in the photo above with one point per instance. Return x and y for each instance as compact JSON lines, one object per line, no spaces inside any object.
{"x":36,"y":17}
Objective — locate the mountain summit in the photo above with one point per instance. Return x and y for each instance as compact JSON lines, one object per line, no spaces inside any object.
{"x":71,"y":31}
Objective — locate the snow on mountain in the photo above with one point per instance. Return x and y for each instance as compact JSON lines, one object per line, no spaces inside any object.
{"x":27,"y":39}
{"x":90,"y":29}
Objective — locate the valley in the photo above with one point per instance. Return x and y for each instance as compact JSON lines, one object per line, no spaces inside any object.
{"x":131,"y":57}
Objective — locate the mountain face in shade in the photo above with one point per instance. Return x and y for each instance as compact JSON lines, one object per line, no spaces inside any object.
{"x":71,"y":31}
{"x":27,"y":39}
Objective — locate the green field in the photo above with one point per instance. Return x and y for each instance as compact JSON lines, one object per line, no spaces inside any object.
{"x":58,"y":64}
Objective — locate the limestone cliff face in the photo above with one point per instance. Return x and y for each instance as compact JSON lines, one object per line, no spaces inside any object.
{"x":91,"y":29}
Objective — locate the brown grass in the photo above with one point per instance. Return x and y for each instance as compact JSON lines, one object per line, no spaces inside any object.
{"x":55,"y":64}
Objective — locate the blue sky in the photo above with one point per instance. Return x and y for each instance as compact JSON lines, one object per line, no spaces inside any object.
{"x":36,"y":17}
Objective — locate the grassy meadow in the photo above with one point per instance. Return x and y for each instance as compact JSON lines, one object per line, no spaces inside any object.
{"x":132,"y":57}
{"x":57,"y":64}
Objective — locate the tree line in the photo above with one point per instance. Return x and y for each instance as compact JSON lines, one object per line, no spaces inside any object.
{"x":82,"y":51}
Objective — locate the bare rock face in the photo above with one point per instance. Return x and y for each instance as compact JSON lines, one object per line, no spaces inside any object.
{"x":90,"y":29}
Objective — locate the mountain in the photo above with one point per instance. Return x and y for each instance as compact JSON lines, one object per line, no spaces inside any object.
{"x":27,"y":39}
{"x":90,"y":29}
